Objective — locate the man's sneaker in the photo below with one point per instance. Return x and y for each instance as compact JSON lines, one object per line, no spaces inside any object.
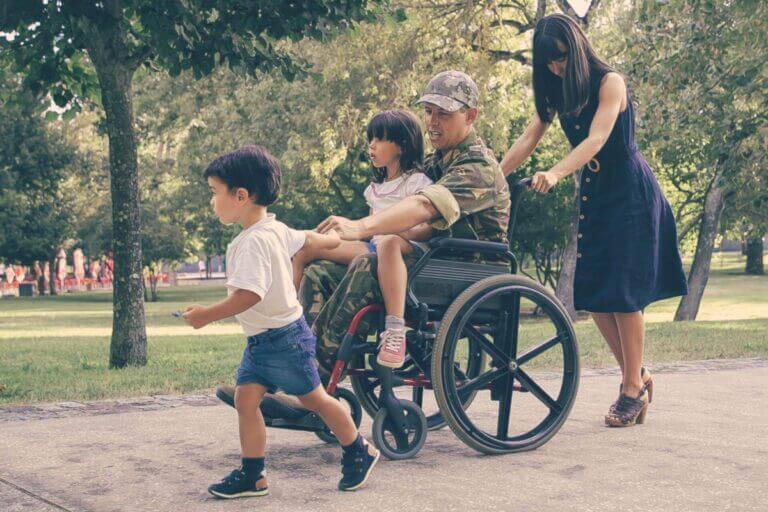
{"x":392,"y":348}
{"x":356,"y":467}
{"x":238,"y":485}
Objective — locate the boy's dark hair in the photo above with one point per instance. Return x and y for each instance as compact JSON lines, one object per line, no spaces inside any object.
{"x":402,"y":128}
{"x":252,"y":168}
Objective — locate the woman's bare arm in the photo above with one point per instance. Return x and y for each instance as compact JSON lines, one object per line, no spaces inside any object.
{"x":524,"y":145}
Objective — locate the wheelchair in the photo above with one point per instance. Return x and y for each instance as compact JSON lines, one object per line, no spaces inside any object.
{"x":481,"y":340}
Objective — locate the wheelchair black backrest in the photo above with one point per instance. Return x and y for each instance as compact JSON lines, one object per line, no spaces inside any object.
{"x":437,"y":282}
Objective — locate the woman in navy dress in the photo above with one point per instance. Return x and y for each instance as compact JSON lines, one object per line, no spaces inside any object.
{"x":627,"y":240}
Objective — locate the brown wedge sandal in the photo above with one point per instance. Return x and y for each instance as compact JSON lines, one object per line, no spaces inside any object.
{"x":629,"y":411}
{"x":647,"y":382}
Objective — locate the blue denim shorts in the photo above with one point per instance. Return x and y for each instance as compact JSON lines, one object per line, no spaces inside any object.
{"x":419,"y":247}
{"x":282,"y":358}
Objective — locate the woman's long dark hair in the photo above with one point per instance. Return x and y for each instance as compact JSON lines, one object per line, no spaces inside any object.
{"x":567,"y":96}
{"x":402,"y":128}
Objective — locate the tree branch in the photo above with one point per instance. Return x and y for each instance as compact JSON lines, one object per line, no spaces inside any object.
{"x":694,"y":223}
{"x":504,"y":55}
{"x":519,"y":26}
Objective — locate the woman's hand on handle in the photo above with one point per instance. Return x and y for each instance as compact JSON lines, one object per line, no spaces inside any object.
{"x":543,"y":181}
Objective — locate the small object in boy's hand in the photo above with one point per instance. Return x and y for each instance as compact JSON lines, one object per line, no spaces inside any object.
{"x":178,"y":314}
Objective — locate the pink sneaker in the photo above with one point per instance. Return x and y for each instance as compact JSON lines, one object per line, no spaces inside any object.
{"x":392,"y":348}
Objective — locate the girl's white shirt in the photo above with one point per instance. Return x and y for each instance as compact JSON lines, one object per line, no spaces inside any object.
{"x":381,"y":196}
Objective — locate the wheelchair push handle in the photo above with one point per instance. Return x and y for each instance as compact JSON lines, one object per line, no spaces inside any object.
{"x":527,"y":182}
{"x":515,"y":199}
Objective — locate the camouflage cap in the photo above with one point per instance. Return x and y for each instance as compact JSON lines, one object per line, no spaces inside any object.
{"x":451,"y":90}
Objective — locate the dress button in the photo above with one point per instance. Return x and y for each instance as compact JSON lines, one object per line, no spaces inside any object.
{"x":581,"y":216}
{"x":580,"y":235}
{"x":589,"y":180}
{"x":583,"y":198}
{"x":578,"y":127}
{"x":578,"y":255}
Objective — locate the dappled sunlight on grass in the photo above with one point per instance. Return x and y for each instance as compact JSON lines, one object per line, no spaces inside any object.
{"x":57,"y":348}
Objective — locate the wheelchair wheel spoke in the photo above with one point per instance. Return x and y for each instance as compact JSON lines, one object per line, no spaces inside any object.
{"x":528,"y":383}
{"x":540,"y":349}
{"x":480,"y":381}
{"x":510,"y":323}
{"x":505,"y":405}
{"x":495,"y":353}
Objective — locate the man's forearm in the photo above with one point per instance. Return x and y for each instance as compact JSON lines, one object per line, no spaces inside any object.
{"x":409,"y":212}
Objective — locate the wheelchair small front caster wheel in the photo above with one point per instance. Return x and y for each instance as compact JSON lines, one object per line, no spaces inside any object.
{"x":399,"y":444}
{"x":349,"y":399}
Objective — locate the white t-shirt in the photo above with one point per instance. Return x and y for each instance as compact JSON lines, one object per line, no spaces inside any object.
{"x":259,"y":260}
{"x":381,"y":196}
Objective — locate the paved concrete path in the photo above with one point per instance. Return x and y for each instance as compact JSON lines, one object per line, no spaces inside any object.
{"x":704,"y":446}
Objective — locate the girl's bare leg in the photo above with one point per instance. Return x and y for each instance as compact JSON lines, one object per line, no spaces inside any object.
{"x":632,"y":333}
{"x":344,"y":254}
{"x":392,"y":273}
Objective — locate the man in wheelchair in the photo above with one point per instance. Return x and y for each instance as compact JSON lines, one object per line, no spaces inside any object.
{"x":468,"y":296}
{"x":469,"y":199}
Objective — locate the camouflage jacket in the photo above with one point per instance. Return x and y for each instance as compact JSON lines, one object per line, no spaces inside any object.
{"x":470,"y":192}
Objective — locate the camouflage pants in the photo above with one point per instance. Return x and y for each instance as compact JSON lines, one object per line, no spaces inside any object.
{"x":331,"y":295}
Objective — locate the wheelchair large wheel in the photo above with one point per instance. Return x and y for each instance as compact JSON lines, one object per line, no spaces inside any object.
{"x":533,"y":354}
{"x":367,"y":388}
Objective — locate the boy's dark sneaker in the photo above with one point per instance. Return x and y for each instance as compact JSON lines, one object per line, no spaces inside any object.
{"x":238,"y":485}
{"x":356,"y":467}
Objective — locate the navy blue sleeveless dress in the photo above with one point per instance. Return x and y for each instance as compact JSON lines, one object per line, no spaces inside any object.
{"x":627,"y":253}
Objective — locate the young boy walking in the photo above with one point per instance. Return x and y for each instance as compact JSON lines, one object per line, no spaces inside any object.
{"x":280,"y":351}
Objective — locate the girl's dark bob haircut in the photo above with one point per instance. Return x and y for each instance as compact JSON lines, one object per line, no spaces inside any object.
{"x":564,"y":96}
{"x":402,"y":128}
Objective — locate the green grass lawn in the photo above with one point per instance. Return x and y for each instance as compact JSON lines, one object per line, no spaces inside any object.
{"x":57,"y":348}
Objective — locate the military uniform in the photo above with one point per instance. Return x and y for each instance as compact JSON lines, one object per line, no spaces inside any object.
{"x":470,"y":192}
{"x":471,"y":195}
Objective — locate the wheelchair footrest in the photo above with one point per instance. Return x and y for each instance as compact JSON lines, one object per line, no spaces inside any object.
{"x":283,"y":411}
{"x":274,"y":406}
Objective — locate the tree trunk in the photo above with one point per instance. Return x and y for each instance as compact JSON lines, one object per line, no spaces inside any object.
{"x":129,"y":337}
{"x":699,"y":274}
{"x":52,"y":277}
{"x":755,"y":256}
{"x":564,"y":289}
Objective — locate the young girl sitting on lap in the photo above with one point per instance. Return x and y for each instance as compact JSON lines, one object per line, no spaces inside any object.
{"x":396,"y":148}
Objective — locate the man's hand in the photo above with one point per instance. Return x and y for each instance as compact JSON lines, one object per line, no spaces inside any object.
{"x":347,"y":229}
{"x":195,"y":316}
{"x":543,"y":181}
{"x":333,"y":238}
